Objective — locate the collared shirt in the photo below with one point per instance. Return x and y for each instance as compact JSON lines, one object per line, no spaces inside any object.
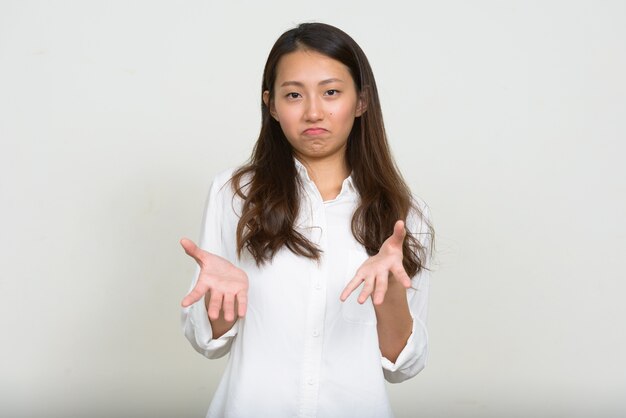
{"x":300,"y":351}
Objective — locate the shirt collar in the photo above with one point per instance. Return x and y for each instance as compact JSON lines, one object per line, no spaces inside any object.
{"x":348,"y":183}
{"x":302,"y":171}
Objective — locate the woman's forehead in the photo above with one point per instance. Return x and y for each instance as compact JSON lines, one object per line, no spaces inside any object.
{"x":310,"y":67}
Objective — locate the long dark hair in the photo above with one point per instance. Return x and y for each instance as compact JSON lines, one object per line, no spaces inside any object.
{"x":271,"y":191}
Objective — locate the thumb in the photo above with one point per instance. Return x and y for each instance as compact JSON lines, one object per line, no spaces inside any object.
{"x":191,"y":249}
{"x":398,"y":232}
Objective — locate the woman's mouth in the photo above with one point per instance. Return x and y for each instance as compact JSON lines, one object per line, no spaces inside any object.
{"x":315,"y":131}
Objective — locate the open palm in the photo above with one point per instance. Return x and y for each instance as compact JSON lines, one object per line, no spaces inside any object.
{"x":225,"y":284}
{"x":374,"y":271}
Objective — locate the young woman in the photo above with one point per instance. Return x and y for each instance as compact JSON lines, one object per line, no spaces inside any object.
{"x":306,"y":273}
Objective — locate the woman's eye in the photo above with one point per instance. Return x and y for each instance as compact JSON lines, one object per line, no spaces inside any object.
{"x":293,"y":95}
{"x":332,"y":92}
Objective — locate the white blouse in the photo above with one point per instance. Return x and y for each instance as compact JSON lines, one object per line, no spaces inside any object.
{"x":300,"y":351}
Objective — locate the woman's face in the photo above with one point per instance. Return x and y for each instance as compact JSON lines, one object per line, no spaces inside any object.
{"x":315,"y":101}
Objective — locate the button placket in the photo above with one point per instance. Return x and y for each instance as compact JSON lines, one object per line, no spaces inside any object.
{"x":315,"y":314}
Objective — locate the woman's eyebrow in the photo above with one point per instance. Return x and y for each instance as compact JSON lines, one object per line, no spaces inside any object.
{"x":321,"y":83}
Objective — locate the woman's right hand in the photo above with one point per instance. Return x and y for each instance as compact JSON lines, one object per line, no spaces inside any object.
{"x":225,"y":285}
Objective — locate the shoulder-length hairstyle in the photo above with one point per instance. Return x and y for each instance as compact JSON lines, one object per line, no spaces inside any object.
{"x":271,"y":191}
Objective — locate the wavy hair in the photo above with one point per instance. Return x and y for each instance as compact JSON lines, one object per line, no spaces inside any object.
{"x":270,"y":191}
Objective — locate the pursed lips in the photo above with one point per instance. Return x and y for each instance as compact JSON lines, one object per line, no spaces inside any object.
{"x":314,"y":131}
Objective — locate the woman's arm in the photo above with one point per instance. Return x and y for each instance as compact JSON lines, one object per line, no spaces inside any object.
{"x":222,"y":286}
{"x":394,"y":322}
{"x":205,"y":327}
{"x":386,"y":281}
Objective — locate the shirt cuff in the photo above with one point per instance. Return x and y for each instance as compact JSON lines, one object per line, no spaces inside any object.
{"x":413,"y":352}
{"x":203,"y":332}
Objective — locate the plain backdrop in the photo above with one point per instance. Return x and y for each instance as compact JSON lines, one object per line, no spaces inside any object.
{"x":506,"y":117}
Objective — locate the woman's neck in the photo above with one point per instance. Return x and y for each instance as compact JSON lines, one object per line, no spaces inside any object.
{"x":328,"y":175}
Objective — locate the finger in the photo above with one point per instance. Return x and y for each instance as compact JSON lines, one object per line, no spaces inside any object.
{"x":382,"y":283}
{"x":215,"y":304}
{"x":242,"y":303}
{"x":367,"y":290}
{"x":196,"y":294}
{"x":352,"y":284}
{"x":191,"y":249}
{"x":400,"y":274}
{"x":398,"y":232}
{"x":228,"y":306}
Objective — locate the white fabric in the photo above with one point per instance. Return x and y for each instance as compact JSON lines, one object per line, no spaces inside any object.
{"x":300,"y":351}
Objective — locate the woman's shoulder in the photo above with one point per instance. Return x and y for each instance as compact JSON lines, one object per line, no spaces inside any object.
{"x":419,"y":221}
{"x":420,"y":211}
{"x":224,"y":177}
{"x":222,"y":183}
{"x":419,"y":203}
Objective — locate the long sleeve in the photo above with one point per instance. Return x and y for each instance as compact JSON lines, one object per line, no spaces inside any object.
{"x":195,"y":320}
{"x":412,"y":359}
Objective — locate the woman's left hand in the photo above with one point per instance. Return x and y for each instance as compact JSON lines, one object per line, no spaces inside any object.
{"x":374,"y":272}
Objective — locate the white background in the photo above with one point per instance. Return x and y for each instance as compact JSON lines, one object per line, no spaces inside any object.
{"x":507,"y":117}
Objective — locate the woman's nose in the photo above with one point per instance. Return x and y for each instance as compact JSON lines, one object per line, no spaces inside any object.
{"x":314,"y":109}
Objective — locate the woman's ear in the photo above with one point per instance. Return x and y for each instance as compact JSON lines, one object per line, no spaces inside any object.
{"x":361,"y":105}
{"x":270,"y":104}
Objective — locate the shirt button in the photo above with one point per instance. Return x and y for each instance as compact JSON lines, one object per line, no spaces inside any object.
{"x":310,"y":381}
{"x":316,"y":333}
{"x":318,"y":286}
